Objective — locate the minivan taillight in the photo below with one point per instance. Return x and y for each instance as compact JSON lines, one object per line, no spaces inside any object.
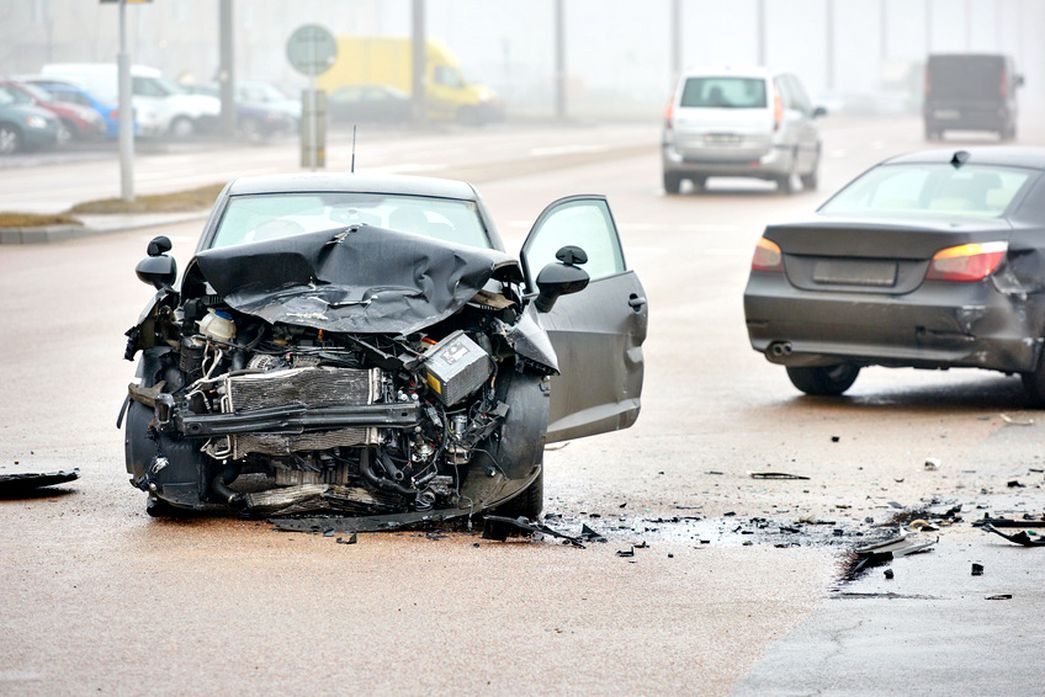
{"x":1003,"y":86}
{"x":767,"y":256}
{"x":669,"y":112}
{"x":967,"y":263}
{"x":778,"y":111}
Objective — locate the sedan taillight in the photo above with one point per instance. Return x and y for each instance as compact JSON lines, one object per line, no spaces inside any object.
{"x":967,"y":263}
{"x":767,"y":256}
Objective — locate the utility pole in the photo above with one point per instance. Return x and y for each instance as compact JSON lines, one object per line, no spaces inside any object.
{"x":560,"y":59}
{"x":998,"y":16}
{"x":968,"y":25}
{"x":676,"y":38}
{"x":760,"y":23}
{"x":418,"y":60}
{"x":126,"y":120}
{"x":883,"y":29}
{"x":226,"y":70}
{"x":829,"y":45}
{"x":928,"y":27}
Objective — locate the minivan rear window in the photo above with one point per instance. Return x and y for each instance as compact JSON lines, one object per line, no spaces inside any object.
{"x":965,"y":77}
{"x":724,"y":93}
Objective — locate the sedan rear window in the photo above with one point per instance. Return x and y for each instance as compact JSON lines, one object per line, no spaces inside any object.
{"x":724,"y":93}
{"x":269,"y":216}
{"x":978,"y":191}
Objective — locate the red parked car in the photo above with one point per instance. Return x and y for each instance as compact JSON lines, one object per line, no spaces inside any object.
{"x":78,"y":122}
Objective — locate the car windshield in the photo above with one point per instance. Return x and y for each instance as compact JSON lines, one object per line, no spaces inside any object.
{"x":724,"y":93}
{"x":940,"y":190}
{"x":6,"y":97}
{"x":269,"y":216}
{"x":36,"y":93}
{"x":14,"y":96}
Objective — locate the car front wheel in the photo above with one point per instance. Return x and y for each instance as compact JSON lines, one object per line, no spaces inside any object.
{"x":1034,"y":386}
{"x":828,"y":381}
{"x":672,"y":183}
{"x":10,"y":139}
{"x":182,"y":127}
{"x":528,"y":504}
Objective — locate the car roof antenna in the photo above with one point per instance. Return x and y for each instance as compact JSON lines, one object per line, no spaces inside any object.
{"x":352,"y":170}
{"x":960,"y":156}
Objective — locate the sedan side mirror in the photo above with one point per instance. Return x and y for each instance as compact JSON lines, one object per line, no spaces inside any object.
{"x":158,"y":269}
{"x":561,"y":278}
{"x":819,"y":112}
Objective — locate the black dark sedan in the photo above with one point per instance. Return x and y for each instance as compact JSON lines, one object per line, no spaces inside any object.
{"x":365,"y":346}
{"x":368,"y":104}
{"x":929,"y":260}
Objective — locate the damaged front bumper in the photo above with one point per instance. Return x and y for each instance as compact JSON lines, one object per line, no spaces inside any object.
{"x":939,"y":325}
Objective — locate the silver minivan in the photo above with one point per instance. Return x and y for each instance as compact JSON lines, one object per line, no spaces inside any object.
{"x":751,"y":123}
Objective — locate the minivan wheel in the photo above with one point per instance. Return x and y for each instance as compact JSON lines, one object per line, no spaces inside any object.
{"x":10,"y":139}
{"x":785,"y":183}
{"x":182,"y":127}
{"x":811,"y":181}
{"x":828,"y":381}
{"x":672,"y":183}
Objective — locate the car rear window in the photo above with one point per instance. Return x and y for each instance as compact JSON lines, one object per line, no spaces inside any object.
{"x":979,"y":191}
{"x":269,"y":216}
{"x":724,"y":93}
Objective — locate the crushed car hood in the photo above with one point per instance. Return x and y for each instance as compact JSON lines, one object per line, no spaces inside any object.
{"x":359,"y":279}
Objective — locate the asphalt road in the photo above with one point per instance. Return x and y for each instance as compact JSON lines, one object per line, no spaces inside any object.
{"x":100,"y":598}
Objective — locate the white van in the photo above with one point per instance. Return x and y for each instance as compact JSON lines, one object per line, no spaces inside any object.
{"x":741,"y":123}
{"x":160,"y":106}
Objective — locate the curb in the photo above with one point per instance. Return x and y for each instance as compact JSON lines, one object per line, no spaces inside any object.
{"x":94,"y":226}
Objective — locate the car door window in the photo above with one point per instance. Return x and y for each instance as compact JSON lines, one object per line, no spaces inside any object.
{"x":584,"y":222}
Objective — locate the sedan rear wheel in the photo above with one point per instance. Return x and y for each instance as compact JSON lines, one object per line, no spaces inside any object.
{"x":828,"y":381}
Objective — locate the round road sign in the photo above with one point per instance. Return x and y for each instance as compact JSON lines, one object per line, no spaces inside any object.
{"x":311,"y":49}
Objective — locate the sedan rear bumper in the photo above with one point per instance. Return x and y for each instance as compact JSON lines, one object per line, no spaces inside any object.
{"x":936,"y":326}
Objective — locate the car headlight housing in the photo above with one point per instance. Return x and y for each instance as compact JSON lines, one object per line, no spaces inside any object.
{"x":35,"y":121}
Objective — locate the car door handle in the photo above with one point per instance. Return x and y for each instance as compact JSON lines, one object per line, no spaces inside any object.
{"x":636,"y":302}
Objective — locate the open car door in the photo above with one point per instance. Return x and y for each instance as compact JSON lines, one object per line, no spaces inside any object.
{"x":597,"y":332}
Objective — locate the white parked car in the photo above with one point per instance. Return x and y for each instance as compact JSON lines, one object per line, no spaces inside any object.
{"x":160,"y":106}
{"x":750,"y":123}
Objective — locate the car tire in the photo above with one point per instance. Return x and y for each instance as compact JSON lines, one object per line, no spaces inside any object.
{"x":158,"y":508}
{"x":827,"y":381}
{"x":10,"y":139}
{"x":811,"y":181}
{"x":699,"y":184}
{"x":528,"y":504}
{"x":64,"y":135}
{"x":672,"y":183}
{"x":785,"y":183}
{"x":251,"y":130}
{"x":182,"y":127}
{"x":1034,"y":385}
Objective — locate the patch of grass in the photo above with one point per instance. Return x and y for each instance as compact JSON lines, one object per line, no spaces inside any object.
{"x":36,"y":219}
{"x":186,"y":201}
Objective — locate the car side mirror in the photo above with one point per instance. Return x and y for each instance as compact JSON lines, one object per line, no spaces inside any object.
{"x":561,"y":278}
{"x":158,"y":269}
{"x":1019,"y":81}
{"x":819,"y":112}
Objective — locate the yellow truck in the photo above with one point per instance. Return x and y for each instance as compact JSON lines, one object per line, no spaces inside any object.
{"x":386,"y":61}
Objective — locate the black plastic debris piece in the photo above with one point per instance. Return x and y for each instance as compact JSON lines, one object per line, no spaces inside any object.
{"x":642,"y":545}
{"x":1026,"y":538}
{"x":435,"y":535}
{"x":729,"y":514}
{"x":17,"y":483}
{"x":776,"y":475}
{"x":626,"y":552}
{"x":1015,"y":484}
{"x":589,"y":535}
{"x":671,"y":556}
{"x":999,"y":596}
{"x":789,"y":530}
{"x":884,"y":551}
{"x":889,"y":574}
{"x":495,"y":527}
{"x":716,"y":472}
{"x":1008,"y":523}
{"x":372,"y":523}
{"x":623,"y":505}
{"x":350,"y":540}
{"x":835,"y":439}
{"x":977,"y":569}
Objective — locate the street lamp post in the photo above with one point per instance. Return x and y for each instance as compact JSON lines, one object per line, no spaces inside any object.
{"x":126,"y":109}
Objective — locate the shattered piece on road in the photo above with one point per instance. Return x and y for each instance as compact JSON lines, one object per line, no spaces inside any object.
{"x":497,"y":529}
{"x":589,"y":535}
{"x":835,"y":439}
{"x":352,"y":539}
{"x":977,"y":569}
{"x":878,"y":553}
{"x":1008,"y":523}
{"x":1016,"y":422}
{"x":642,"y":545}
{"x":1015,"y":484}
{"x":999,"y":596}
{"x":1027,"y":538}
{"x":714,"y":472}
{"x":922,"y":525}
{"x":775,"y":475}
{"x":932,"y":464}
{"x":889,"y":574}
{"x":626,"y":552}
{"x":21,"y":482}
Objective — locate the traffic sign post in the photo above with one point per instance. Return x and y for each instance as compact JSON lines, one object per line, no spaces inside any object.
{"x":311,"y":50}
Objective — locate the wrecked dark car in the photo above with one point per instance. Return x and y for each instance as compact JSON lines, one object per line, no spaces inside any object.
{"x":929,"y":260}
{"x":363,"y":346}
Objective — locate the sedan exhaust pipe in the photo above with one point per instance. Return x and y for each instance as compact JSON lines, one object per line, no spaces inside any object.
{"x":779,"y":349}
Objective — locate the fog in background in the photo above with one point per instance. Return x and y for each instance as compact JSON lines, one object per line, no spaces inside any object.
{"x":618,"y":54}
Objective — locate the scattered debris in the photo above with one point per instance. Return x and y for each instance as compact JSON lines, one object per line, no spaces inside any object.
{"x":714,"y":472}
{"x":642,"y":545}
{"x":1000,"y":596}
{"x":775,"y":475}
{"x":351,"y":540}
{"x":18,"y":483}
{"x":553,"y":448}
{"x":977,"y":569}
{"x":1016,"y":422}
{"x":889,"y":574}
{"x":1009,"y":522}
{"x":888,"y":596}
{"x":589,"y":535}
{"x":1015,"y":484}
{"x":1027,"y":538}
{"x":496,"y":528}
{"x":626,"y":552}
{"x":932,"y":464}
{"x":922,"y":525}
{"x":835,"y":439}
{"x":878,"y":553}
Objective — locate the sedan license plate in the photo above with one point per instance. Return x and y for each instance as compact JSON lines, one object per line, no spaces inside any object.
{"x":855,"y":273}
{"x":947,"y":114}
{"x":721,"y":139}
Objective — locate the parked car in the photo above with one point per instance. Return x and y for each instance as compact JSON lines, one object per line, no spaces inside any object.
{"x":732,"y":123}
{"x":24,"y":126}
{"x":934,"y":259}
{"x":971,"y":92}
{"x":75,"y":121}
{"x":364,"y":345}
{"x":260,"y":93}
{"x":368,"y":104}
{"x":72,"y":92}
{"x":255,"y":121}
{"x":161,"y":107}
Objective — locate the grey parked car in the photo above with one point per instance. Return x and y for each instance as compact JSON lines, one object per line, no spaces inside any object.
{"x":754,"y":123}
{"x":364,"y":346}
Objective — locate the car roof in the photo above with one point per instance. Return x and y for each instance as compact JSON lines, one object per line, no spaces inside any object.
{"x":728,"y":71}
{"x":352,"y":183}
{"x":1011,"y":156}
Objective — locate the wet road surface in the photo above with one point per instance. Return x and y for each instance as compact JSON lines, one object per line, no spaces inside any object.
{"x":101,"y":598}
